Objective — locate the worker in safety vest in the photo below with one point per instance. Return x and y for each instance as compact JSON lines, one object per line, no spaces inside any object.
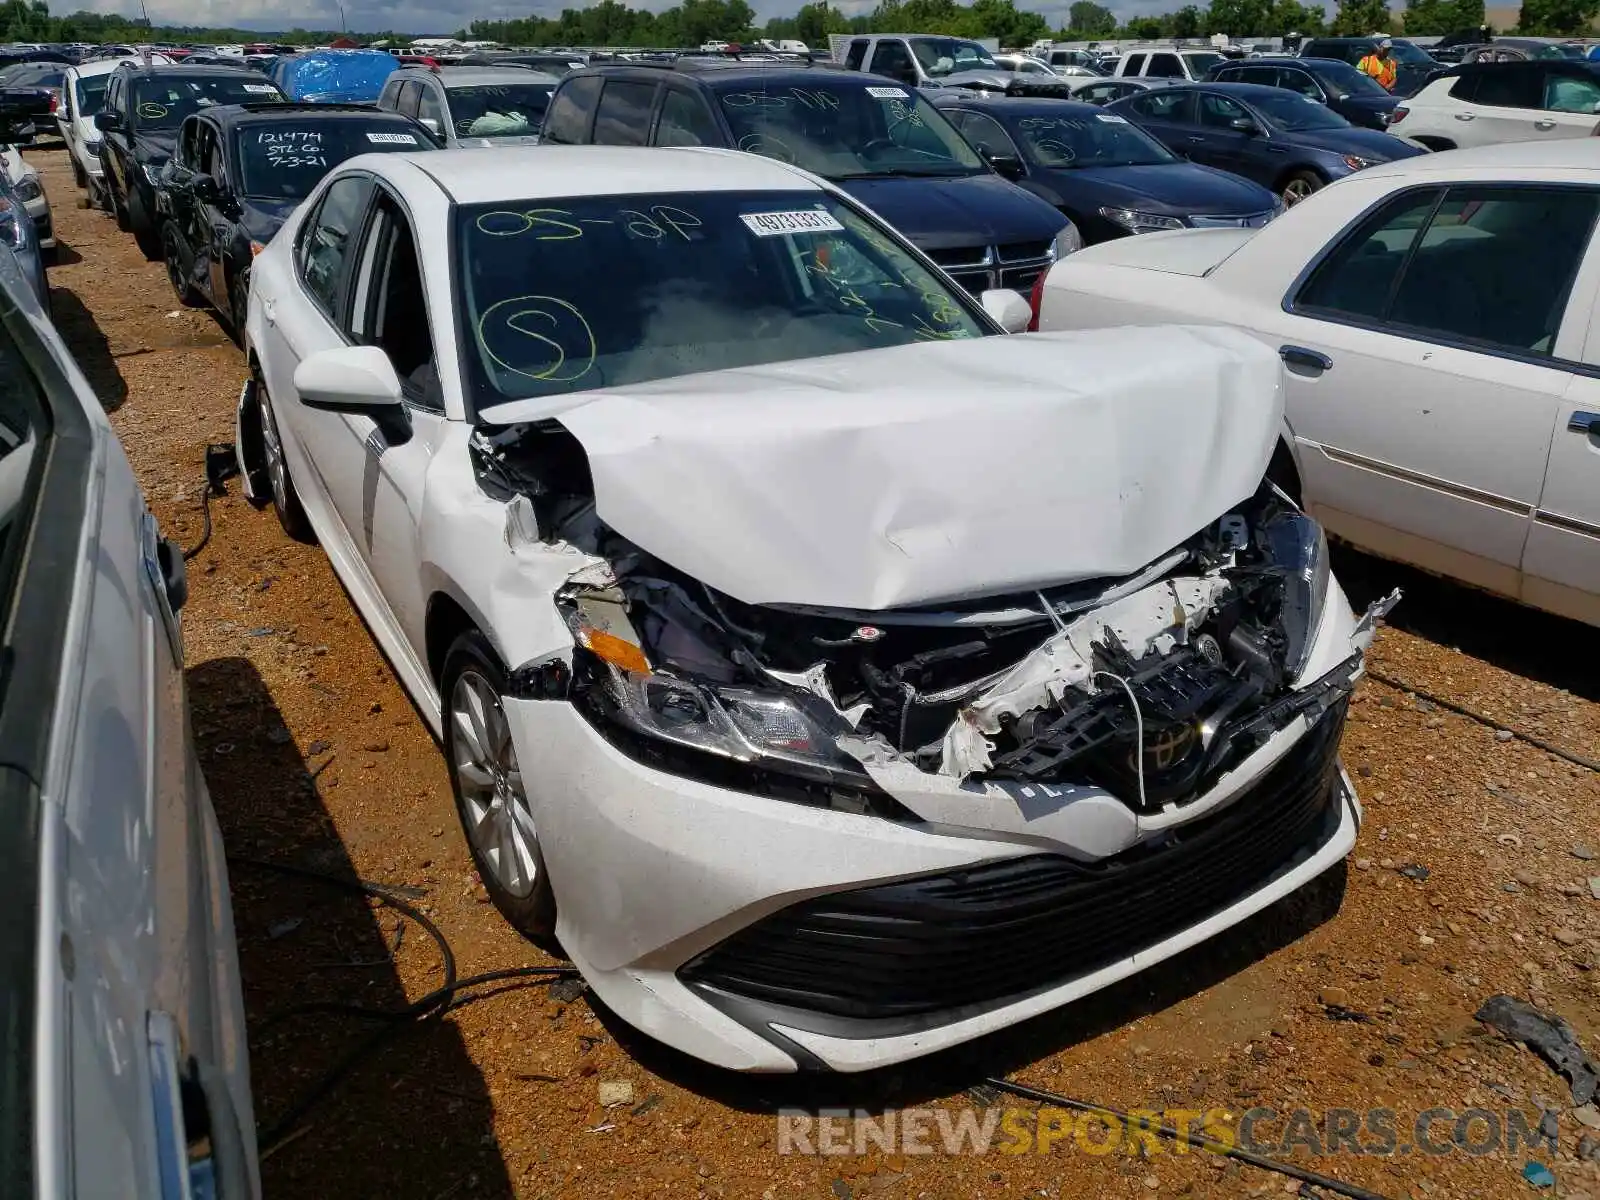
{"x":1380,"y":65}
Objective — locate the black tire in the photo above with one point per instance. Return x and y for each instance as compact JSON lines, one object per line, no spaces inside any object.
{"x":1298,"y":185}
{"x":143,"y":228}
{"x":181,"y":287}
{"x":494,"y":815}
{"x":285,"y":499}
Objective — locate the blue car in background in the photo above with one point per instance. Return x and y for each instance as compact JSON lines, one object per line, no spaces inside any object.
{"x":1284,"y":141}
{"x":334,"y":76}
{"x":1102,"y":172}
{"x":1354,"y":95}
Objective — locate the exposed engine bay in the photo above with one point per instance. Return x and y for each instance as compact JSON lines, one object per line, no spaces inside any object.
{"x":1148,"y":687}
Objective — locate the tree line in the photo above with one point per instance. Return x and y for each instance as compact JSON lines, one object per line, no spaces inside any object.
{"x":695,"y":22}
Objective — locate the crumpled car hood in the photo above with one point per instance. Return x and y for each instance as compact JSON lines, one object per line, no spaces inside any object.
{"x":929,"y":473}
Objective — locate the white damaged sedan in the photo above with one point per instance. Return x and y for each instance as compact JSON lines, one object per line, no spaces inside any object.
{"x":836,"y":680}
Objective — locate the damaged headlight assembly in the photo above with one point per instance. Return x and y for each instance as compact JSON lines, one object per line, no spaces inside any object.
{"x":789,"y":734}
{"x":1299,"y":548}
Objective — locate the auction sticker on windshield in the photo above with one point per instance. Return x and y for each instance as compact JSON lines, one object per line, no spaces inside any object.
{"x":391,"y":139}
{"x":878,"y":93}
{"x":806,"y":220}
{"x":1111,"y":118}
{"x":260,"y":89}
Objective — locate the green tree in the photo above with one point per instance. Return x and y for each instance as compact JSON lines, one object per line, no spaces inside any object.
{"x":1442,"y":16}
{"x":814,"y":22}
{"x":1290,"y":16}
{"x":1187,"y":22}
{"x":1143,"y":28}
{"x":1091,"y":20}
{"x":1357,"y":17}
{"x":1557,"y":18}
{"x":1238,"y":18}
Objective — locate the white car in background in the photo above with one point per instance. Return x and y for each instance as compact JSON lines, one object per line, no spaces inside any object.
{"x":1540,"y":100}
{"x":29,"y":188}
{"x":837,"y":680}
{"x":1438,"y":318}
{"x":83,"y":93}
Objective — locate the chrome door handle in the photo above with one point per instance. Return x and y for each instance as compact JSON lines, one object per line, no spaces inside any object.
{"x":1584,"y":422}
{"x":1465,"y":116}
{"x":1299,"y":356}
{"x":269,"y":311}
{"x":1544,"y":124}
{"x":1197,"y":139}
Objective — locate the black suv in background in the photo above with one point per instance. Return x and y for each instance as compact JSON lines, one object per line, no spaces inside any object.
{"x":879,"y":141}
{"x":1413,"y":67}
{"x":139,"y":126}
{"x":239,"y":170}
{"x":1355,"y":96}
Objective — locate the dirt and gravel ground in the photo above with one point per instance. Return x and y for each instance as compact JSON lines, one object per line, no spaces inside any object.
{"x":1356,"y":994}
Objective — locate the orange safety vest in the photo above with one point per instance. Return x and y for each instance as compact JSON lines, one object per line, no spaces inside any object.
{"x":1383,"y":70}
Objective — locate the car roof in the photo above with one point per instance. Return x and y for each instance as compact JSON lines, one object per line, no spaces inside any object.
{"x":546,"y":172}
{"x":1585,"y":66}
{"x":266,"y":112}
{"x":1016,"y":106}
{"x":475,"y":76}
{"x":1566,"y":154}
{"x":181,"y":72}
{"x":733,"y":70}
{"x":1245,"y":91}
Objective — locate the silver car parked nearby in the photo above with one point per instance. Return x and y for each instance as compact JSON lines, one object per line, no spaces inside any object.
{"x":123,"y":1065}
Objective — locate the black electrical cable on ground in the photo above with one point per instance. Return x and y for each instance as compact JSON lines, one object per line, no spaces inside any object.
{"x":1577,"y":760}
{"x":1170,"y":1133}
{"x":205,"y":531}
{"x":397,"y":1021}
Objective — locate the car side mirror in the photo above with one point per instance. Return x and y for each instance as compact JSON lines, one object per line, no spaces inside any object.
{"x":1244,"y":125}
{"x":356,"y":380}
{"x":1009,"y":310}
{"x":108,"y":121}
{"x":1008,"y":165}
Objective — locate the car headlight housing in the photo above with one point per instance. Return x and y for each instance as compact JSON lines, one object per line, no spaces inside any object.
{"x":1356,"y":163}
{"x":1135,"y":221}
{"x":1066,"y":242}
{"x":16,"y":227}
{"x":1298,"y":546}
{"x":27,"y":188}
{"x":151,"y":173}
{"x":776,"y":731}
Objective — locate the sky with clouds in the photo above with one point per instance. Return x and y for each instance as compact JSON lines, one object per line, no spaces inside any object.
{"x":444,"y":16}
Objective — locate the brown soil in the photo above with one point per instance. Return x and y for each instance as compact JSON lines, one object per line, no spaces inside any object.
{"x":314,"y":756}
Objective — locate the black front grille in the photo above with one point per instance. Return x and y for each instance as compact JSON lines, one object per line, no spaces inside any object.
{"x":997,"y":932}
{"x":959,"y":256}
{"x":1018,"y":251}
{"x":976,"y":282}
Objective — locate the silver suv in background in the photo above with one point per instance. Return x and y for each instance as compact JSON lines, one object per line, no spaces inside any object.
{"x":472,"y":106}
{"x":123,"y":1066}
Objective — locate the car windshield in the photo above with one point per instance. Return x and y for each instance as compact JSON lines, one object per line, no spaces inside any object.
{"x":499,"y":110}
{"x":91,"y":94}
{"x":597,"y":291}
{"x":1089,"y":140}
{"x":946,"y":56}
{"x":846,"y":130}
{"x":284,"y":160}
{"x":1200,"y":63}
{"x":1296,"y":114}
{"x":164,"y":101}
{"x":1346,"y":79}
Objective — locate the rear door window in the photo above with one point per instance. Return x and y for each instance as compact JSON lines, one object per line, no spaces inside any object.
{"x":567,"y":122}
{"x":1165,"y":66}
{"x":1134,"y":65}
{"x":1515,"y":85}
{"x":623,"y":118}
{"x":1485,"y":265}
{"x":685,"y":121}
{"x":1162,"y":105}
{"x":857,"y":54}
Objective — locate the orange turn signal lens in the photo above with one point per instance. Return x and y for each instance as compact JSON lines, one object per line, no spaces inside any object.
{"x":612,"y":649}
